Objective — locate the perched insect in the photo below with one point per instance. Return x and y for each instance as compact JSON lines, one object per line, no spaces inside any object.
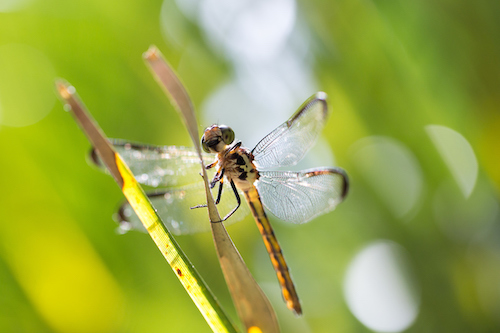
{"x":294,"y":196}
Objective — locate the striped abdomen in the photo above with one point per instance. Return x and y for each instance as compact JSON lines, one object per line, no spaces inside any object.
{"x":274,"y":250}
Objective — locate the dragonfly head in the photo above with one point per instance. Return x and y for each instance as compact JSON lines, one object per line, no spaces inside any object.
{"x":216,"y":138}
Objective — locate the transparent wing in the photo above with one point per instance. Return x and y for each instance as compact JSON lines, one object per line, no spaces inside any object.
{"x":298,"y":197}
{"x":159,"y":166}
{"x":288,"y":143}
{"x":174,"y":208}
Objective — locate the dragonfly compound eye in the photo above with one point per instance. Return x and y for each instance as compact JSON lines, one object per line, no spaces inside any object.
{"x":227,"y":134}
{"x":204,"y":145}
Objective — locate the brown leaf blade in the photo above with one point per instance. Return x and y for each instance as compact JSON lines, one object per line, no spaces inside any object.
{"x":252,"y":305}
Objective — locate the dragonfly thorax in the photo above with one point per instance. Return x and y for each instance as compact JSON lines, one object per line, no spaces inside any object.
{"x":237,"y":163}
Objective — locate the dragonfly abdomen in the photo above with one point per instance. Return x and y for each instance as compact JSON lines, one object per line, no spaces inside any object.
{"x":274,"y":249}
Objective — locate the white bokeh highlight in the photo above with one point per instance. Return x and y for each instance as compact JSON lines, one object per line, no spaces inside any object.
{"x":269,"y":54}
{"x":248,"y":29}
{"x":378,"y":289}
{"x":458,"y":155}
{"x":392,"y":170}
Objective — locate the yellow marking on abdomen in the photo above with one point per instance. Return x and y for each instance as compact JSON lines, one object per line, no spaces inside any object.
{"x":274,"y":250}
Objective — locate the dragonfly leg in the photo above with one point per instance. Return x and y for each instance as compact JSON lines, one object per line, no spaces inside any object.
{"x":219,"y":195}
{"x":211,"y":165}
{"x":236,"y":146}
{"x":237,"y":199}
{"x":218,"y":177}
{"x":198,"y":206}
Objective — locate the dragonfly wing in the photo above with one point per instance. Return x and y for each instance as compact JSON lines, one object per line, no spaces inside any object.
{"x":174,"y":208}
{"x":159,"y":166}
{"x":288,"y":143}
{"x":299,"y":197}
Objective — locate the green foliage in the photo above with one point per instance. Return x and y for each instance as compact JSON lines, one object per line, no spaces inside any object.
{"x":390,"y":70}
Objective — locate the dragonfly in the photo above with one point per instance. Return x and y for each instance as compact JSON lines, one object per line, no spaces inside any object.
{"x":293,"y":196}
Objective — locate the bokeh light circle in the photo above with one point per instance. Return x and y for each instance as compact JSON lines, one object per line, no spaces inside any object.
{"x":392,"y":170}
{"x":458,"y":155}
{"x":248,"y":29}
{"x":378,"y":288}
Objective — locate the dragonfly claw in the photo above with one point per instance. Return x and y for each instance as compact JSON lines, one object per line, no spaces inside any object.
{"x":198,"y":206}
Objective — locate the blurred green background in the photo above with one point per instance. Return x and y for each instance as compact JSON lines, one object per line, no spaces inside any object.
{"x":413,"y":90}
